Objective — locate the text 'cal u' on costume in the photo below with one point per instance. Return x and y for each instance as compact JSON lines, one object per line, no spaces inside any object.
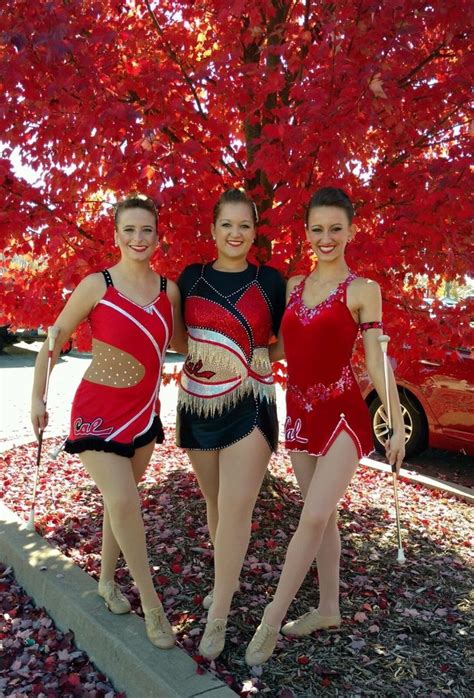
{"x":323,"y":397}
{"x":226,"y":385}
{"x":116,"y":407}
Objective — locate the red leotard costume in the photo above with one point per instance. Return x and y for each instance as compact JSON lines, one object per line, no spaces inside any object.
{"x":323,"y":397}
{"x":116,"y":406}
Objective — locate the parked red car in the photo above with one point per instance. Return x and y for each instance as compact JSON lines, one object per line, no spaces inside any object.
{"x":437,"y":399}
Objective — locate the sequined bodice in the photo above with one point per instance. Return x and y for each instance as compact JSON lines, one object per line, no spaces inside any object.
{"x":327,"y":332}
{"x":229,"y":321}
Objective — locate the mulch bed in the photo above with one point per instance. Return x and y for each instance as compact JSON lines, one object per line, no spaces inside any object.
{"x":36,"y":658}
{"x":406,"y":628}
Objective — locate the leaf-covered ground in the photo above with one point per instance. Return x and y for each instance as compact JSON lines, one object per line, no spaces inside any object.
{"x":36,"y":658}
{"x":406,"y":629}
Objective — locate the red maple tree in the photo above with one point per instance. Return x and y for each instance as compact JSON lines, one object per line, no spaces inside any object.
{"x":180,"y":100}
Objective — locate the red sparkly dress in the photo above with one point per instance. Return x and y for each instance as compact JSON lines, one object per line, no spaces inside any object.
{"x":323,"y":397}
{"x":116,"y":406}
{"x":226,"y":385}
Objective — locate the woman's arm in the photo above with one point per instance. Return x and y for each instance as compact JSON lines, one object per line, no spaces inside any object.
{"x":370,"y":310}
{"x":276,"y":350}
{"x":82,"y":300}
{"x":179,"y":340}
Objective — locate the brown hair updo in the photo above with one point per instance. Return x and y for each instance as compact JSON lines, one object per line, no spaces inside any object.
{"x":135,"y":201}
{"x":234,"y":196}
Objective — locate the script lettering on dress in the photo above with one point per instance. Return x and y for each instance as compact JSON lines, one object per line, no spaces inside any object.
{"x":91,"y":428}
{"x":293,"y":432}
{"x":194,"y":369}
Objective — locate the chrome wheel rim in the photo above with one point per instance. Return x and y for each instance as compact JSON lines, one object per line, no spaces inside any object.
{"x":380,"y":424}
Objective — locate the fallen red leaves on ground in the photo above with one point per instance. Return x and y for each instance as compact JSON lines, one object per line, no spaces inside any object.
{"x":37,"y":659}
{"x":405,"y":629}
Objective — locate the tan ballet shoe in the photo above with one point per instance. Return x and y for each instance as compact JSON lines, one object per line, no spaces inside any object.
{"x":262,"y":645}
{"x":158,"y":628}
{"x":115,"y":601}
{"x":309,"y":622}
{"x":213,"y":640}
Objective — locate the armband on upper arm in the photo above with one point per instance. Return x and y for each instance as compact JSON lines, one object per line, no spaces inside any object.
{"x":376,"y":325}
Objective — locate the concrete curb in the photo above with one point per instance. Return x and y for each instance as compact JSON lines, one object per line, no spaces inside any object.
{"x":459,"y":491}
{"x":116,"y":644}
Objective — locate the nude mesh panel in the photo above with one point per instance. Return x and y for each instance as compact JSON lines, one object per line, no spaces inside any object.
{"x":113,"y":367}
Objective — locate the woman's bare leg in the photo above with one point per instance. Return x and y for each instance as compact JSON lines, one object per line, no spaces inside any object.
{"x":242,"y":467}
{"x":329,"y":553}
{"x":206,"y":468}
{"x":110,"y":548}
{"x":331,"y":478}
{"x":114,"y":477}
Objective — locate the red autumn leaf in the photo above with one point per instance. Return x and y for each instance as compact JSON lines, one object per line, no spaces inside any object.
{"x":162,"y":580}
{"x":303,"y":659}
{"x":74,"y":680}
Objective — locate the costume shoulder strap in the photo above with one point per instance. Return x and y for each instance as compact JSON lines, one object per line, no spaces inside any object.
{"x":343,"y":287}
{"x":108,"y":278}
{"x":163,"y":284}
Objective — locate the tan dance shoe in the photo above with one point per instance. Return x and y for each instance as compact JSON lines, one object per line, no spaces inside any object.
{"x":115,"y":601}
{"x":213,"y":640}
{"x":209,"y":598}
{"x":262,"y":644}
{"x":309,"y":622}
{"x":158,"y":628}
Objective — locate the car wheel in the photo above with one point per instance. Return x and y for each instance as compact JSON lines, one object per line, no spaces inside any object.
{"x":6,"y":337}
{"x":66,"y":348}
{"x":414,"y":422}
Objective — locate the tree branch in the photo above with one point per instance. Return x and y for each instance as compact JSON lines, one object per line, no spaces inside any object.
{"x":423,"y":140}
{"x":403,"y":82}
{"x":172,"y":53}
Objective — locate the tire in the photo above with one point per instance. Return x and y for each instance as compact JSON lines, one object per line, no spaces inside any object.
{"x":66,"y":348}
{"x":6,"y":337}
{"x":416,"y":431}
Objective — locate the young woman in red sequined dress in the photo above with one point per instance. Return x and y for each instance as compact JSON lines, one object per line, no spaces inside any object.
{"x":327,"y":426}
{"x":227,"y":419}
{"x":134,"y":313}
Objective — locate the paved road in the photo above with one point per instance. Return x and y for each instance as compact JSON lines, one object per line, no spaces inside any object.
{"x":16,"y":375}
{"x":16,"y":379}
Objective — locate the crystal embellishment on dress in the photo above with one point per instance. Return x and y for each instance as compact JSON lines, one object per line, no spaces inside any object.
{"x":306,"y":314}
{"x":320,"y":392}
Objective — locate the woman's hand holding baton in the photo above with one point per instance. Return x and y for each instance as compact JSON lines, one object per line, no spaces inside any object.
{"x":394,"y":454}
{"x":40,"y":421}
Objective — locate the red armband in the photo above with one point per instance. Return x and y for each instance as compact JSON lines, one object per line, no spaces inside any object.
{"x":370,"y":326}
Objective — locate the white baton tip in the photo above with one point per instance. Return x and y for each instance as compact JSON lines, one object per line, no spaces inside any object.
{"x":53,"y":331}
{"x":30,"y":524}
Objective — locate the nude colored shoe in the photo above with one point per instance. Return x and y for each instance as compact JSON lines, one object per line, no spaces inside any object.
{"x":115,"y":601}
{"x":262,"y":645}
{"x":213,"y":640}
{"x":158,"y":628}
{"x":309,"y":622}
{"x":207,"y":600}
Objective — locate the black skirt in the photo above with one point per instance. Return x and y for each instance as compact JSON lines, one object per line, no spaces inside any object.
{"x":213,"y":433}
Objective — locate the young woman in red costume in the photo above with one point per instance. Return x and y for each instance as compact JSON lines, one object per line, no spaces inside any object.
{"x":134,"y":314}
{"x":327,"y":427}
{"x":227,"y":418}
